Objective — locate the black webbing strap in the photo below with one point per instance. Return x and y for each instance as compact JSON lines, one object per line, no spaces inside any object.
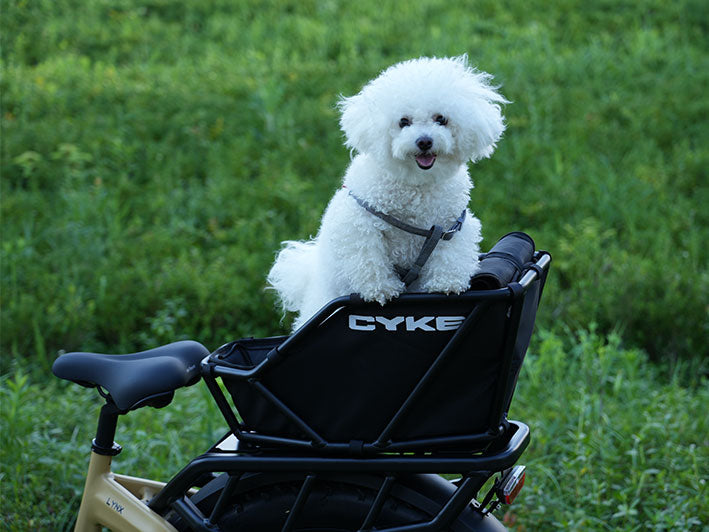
{"x":410,"y":275}
{"x":433,"y":236}
{"x":391,"y":220}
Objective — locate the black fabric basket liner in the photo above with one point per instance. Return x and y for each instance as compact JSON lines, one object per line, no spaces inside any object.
{"x":347,"y":384}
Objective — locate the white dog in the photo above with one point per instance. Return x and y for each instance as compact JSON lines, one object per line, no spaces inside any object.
{"x":414,"y":128}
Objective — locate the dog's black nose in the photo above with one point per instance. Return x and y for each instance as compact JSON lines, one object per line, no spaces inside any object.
{"x":424,"y":143}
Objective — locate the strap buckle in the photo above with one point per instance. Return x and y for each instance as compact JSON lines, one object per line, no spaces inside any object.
{"x":457,"y":226}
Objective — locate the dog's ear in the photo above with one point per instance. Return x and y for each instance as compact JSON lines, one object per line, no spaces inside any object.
{"x":481,"y":105}
{"x":357,"y":122}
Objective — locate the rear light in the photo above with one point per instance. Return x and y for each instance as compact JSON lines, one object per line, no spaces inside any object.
{"x":511,"y":484}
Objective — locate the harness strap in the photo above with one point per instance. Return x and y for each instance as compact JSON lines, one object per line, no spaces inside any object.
{"x":410,"y":275}
{"x":433,"y":236}
{"x":390,"y":219}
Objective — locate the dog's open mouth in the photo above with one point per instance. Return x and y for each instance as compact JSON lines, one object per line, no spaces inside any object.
{"x":425,"y":160}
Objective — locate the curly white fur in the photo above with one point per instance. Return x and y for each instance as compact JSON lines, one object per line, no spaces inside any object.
{"x":388,"y":124}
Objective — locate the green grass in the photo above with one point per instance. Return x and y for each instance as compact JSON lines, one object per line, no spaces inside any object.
{"x":615,"y":444}
{"x":154,"y":155}
{"x":47,"y":429}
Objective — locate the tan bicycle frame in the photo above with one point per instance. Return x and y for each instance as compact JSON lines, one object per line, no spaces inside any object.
{"x":118,"y":502}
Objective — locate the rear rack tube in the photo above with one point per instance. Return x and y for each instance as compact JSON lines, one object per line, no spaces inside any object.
{"x":542,"y":263}
{"x":235,"y":462}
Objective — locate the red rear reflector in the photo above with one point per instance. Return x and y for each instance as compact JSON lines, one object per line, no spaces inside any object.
{"x":512,"y":484}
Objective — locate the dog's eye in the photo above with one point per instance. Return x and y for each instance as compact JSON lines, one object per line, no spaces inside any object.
{"x":404,"y":122}
{"x":440,"y":119}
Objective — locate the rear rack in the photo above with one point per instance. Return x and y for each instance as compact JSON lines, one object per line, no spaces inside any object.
{"x":474,"y":469}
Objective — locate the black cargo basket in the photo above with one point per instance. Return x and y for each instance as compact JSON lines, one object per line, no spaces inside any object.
{"x":424,"y":373}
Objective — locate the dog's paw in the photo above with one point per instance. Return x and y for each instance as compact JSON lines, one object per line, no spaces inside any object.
{"x":445,"y":286}
{"x":383,"y":293}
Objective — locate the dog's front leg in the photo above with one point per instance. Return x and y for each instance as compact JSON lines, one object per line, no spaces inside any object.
{"x":369,"y":272}
{"x":453,"y":262}
{"x":354,"y":254}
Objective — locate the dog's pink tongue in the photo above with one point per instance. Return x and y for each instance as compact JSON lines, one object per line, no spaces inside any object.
{"x":425,"y":160}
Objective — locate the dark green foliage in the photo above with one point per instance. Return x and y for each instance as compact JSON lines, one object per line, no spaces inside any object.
{"x":155,"y":154}
{"x":615,"y":446}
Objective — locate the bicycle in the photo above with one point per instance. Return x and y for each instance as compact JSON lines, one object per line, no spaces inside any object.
{"x":427,"y":381}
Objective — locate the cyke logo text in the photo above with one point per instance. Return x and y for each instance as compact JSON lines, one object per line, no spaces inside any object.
{"x":405,"y":323}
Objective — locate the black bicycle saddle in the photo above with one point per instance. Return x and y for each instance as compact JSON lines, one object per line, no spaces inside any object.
{"x":135,"y":379}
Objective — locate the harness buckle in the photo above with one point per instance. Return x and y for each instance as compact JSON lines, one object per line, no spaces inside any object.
{"x":457,"y":226}
{"x":447,"y":235}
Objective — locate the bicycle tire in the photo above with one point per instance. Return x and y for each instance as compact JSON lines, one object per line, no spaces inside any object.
{"x":337,"y":503}
{"x":331,"y":507}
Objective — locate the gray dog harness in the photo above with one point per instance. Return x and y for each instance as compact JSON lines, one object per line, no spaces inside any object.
{"x":433,"y":236}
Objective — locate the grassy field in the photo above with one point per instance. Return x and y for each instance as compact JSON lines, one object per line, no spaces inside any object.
{"x":154,"y":154}
{"x":616,"y":446}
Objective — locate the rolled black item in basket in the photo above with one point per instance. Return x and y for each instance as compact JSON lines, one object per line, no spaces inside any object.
{"x":504,"y":262}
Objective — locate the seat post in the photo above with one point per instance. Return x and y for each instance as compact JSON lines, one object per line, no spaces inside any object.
{"x":105,"y":432}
